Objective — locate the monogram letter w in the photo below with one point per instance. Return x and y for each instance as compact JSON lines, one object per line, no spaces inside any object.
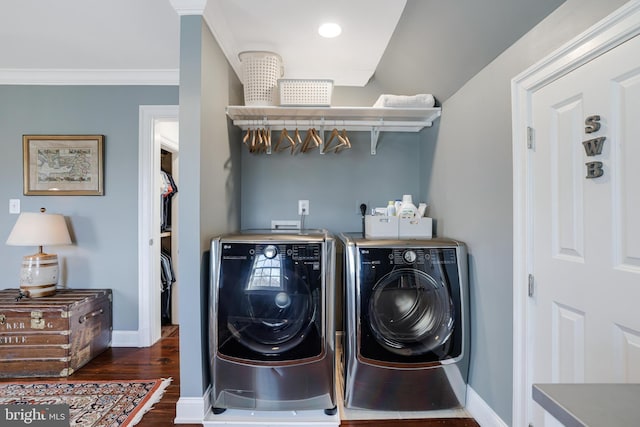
{"x":593,"y":147}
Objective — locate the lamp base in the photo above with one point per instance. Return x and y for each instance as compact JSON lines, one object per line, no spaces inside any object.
{"x":39,"y":275}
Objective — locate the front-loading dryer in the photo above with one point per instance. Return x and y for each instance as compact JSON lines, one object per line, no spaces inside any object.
{"x":271,"y":321}
{"x":406,"y":327}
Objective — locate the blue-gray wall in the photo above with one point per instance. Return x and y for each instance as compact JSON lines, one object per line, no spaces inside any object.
{"x":209,"y":175}
{"x":334,"y":183}
{"x":104,"y":229}
{"x":470,"y":189}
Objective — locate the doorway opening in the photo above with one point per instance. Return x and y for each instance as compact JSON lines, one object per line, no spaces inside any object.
{"x":158,"y":134}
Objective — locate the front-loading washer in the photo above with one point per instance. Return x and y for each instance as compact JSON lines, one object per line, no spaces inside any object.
{"x":271,"y":321}
{"x":406,"y":324}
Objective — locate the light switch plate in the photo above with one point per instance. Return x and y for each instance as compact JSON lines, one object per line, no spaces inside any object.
{"x":14,"y":206}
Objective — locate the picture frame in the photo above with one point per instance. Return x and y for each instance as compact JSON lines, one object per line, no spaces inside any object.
{"x":63,"y":165}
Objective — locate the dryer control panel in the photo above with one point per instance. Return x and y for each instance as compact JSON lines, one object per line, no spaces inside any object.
{"x":419,"y":256}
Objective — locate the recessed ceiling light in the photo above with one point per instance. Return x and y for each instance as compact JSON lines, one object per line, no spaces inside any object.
{"x":329,"y":30}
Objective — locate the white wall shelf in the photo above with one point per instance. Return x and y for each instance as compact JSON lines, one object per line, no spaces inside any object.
{"x":372,"y":119}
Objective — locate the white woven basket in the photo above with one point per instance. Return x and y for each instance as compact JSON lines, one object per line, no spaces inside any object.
{"x":305,"y":92}
{"x":261,"y":71}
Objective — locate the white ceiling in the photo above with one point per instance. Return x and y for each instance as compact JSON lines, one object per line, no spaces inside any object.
{"x":102,"y":37}
{"x":290,"y":29}
{"x":116,"y":39}
{"x":435,"y":47}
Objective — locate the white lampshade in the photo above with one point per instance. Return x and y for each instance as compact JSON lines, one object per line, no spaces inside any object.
{"x":40,"y":271}
{"x":39,"y":229}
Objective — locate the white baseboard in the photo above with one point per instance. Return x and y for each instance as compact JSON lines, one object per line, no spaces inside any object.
{"x":193,"y":410}
{"x":481,"y":412}
{"x":125,"y":339}
{"x":139,"y":338}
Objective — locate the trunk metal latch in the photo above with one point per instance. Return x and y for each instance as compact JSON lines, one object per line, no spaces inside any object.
{"x":37,"y":322}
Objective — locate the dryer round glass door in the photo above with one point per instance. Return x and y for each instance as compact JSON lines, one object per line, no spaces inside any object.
{"x":410,"y":313}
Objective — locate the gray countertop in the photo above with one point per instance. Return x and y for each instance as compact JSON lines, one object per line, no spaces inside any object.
{"x":592,"y":405}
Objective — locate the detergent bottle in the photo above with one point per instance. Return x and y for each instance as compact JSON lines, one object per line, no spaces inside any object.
{"x":407,"y":209}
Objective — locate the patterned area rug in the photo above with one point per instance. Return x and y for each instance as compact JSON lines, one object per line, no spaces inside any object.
{"x":91,"y":404}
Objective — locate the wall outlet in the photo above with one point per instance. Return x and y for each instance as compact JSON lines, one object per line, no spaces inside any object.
{"x":358,"y":210}
{"x":303,"y":207}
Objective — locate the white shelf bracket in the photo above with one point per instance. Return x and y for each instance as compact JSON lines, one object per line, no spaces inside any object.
{"x":375,"y":134}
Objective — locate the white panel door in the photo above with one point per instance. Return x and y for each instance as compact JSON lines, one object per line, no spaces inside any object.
{"x":585,"y":321}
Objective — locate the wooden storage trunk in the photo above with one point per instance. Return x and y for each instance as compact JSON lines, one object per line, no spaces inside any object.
{"x":53,"y":336}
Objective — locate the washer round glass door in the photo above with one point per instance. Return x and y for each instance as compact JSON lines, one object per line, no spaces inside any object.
{"x":410,"y":313}
{"x":275,"y":310}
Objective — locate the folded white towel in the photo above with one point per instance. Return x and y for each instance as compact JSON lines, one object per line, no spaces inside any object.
{"x":423,"y":100}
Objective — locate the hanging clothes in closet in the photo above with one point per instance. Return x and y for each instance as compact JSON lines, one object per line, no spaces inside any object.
{"x":168,"y":278}
{"x":168,"y":189}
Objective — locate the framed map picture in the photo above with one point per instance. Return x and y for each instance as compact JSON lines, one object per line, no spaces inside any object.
{"x":65,"y":165}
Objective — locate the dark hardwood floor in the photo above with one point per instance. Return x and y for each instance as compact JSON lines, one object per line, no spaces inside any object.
{"x":162,"y":361}
{"x":158,"y":361}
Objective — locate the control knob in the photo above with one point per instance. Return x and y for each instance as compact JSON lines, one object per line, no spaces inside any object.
{"x":270,"y":251}
{"x":409,"y":256}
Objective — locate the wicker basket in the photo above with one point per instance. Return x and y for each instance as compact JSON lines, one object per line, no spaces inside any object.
{"x":305,"y":92}
{"x":261,"y":71}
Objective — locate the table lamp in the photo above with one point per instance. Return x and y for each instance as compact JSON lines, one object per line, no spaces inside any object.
{"x":40,"y":271}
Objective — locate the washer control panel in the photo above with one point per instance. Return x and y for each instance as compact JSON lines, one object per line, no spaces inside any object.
{"x":295,"y":251}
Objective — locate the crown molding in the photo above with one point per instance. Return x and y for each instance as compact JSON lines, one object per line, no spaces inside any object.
{"x":169,"y":77}
{"x":189,"y":7}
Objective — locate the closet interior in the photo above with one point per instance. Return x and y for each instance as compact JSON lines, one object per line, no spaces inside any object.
{"x":168,"y":236}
